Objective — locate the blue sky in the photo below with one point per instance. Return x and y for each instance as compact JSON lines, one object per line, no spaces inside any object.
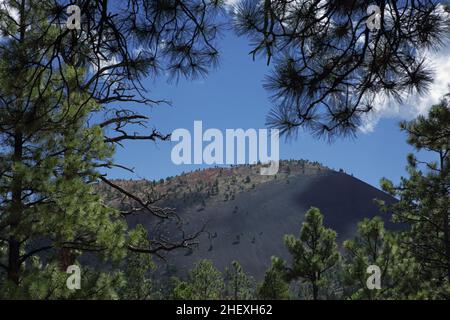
{"x":231,"y":97}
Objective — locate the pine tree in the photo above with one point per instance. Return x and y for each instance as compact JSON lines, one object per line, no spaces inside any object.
{"x":274,"y":286}
{"x":424,"y":198}
{"x":58,"y":132}
{"x":238,"y":285}
{"x":49,"y":163}
{"x":137,"y":266}
{"x":204,"y":282}
{"x":314,"y":253}
{"x":374,"y":246}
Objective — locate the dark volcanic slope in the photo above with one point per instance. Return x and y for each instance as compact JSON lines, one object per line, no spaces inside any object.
{"x":250,"y":228}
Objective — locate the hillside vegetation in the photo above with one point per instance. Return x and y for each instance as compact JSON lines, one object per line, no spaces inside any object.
{"x":202,"y":187}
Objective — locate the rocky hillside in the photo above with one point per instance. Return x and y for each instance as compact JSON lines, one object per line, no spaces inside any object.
{"x":246,"y":215}
{"x":208,"y":186}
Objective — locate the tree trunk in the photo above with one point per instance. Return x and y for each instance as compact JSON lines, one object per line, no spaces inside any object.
{"x":445,"y":220}
{"x":14,"y":242}
{"x":16,"y":213}
{"x":66,"y":258}
{"x":13,"y":260}
{"x":447,"y":244}
{"x":315,"y":291}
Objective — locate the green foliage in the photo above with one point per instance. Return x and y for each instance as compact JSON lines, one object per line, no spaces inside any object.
{"x":204,"y":282}
{"x":425,"y":201}
{"x":274,"y":286}
{"x":47,"y":282}
{"x":137,"y":266}
{"x":238,"y":285}
{"x":57,"y":166}
{"x":376,"y":246}
{"x":50,"y":159}
{"x":181,"y":290}
{"x":313,"y":253}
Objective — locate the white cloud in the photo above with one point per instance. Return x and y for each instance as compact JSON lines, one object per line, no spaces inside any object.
{"x":231,"y":2}
{"x":11,"y":12}
{"x":415,"y":104}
